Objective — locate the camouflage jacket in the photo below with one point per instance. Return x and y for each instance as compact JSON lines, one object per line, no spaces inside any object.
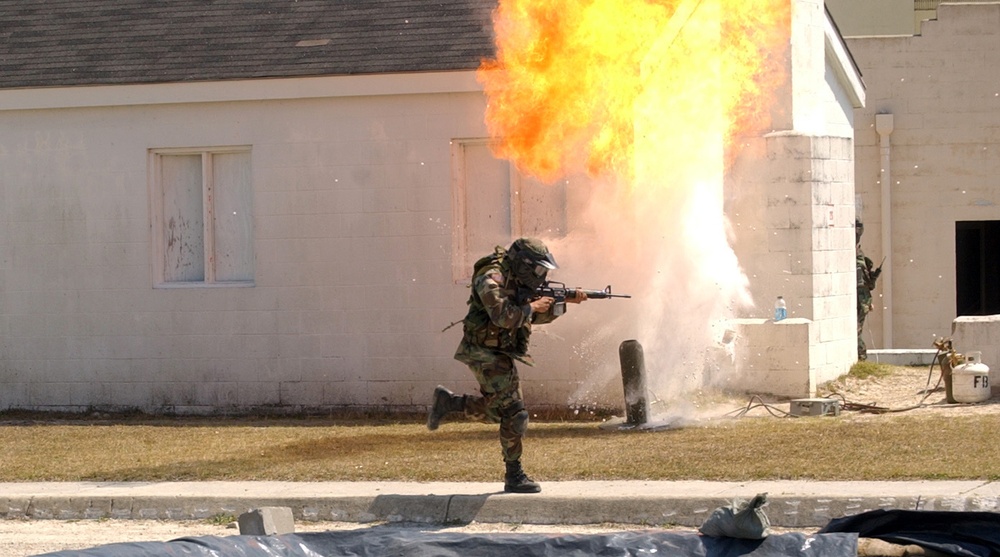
{"x":500,"y":317}
{"x":866,"y":281}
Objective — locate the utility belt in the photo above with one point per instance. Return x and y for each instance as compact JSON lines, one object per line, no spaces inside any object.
{"x":499,"y":339}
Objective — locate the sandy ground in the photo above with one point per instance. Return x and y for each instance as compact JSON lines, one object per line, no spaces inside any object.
{"x":19,"y":538}
{"x":913,"y":391}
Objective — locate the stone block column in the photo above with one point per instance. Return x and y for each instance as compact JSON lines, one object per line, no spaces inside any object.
{"x":791,"y":203}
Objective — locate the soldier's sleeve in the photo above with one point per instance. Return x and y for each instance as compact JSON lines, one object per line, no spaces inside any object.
{"x":543,"y":318}
{"x":503,"y":310}
{"x":870,"y":282}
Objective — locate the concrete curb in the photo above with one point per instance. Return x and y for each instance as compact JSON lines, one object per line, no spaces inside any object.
{"x":654,"y":504}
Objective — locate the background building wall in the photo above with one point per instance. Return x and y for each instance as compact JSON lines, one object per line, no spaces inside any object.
{"x":864,"y":17}
{"x":861,"y":18}
{"x":945,"y":103}
{"x":793,"y":211}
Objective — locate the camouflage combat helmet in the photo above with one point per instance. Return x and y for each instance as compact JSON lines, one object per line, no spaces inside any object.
{"x":530,"y":261}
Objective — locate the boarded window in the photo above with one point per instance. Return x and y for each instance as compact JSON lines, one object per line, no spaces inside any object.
{"x":202,"y":216}
{"x":494,"y":204}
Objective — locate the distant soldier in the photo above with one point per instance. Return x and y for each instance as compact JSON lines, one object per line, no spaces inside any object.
{"x":866,"y":283}
{"x":502,"y":307}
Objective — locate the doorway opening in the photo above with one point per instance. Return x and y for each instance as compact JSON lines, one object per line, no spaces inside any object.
{"x":977,"y":267}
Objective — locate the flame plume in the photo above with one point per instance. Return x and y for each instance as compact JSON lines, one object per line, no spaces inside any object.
{"x":569,"y":74}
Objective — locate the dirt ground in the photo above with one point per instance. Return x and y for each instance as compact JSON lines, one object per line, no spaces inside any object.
{"x":906,"y":390}
{"x":910,"y":390}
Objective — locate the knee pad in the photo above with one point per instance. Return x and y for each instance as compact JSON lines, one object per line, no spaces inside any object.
{"x":519,"y":422}
{"x":516,"y":416}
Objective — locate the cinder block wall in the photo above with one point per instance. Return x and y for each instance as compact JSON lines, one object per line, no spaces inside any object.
{"x":793,"y":213}
{"x":352,"y":206}
{"x":774,"y":358}
{"x":791,"y":201}
{"x":943,"y":95}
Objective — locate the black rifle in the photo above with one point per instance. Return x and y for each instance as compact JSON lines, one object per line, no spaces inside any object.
{"x":559,"y":292}
{"x":878,"y":271}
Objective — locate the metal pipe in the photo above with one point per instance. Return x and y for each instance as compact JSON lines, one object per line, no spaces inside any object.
{"x":884,"y":125}
{"x":634,"y":380}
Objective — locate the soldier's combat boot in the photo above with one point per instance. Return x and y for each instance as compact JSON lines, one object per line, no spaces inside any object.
{"x":516,"y":481}
{"x":444,"y":402}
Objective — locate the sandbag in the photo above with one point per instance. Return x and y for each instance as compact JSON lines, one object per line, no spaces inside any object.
{"x":743,"y":520}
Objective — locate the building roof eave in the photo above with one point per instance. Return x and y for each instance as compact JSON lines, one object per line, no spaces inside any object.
{"x":840,"y":58}
{"x":32,"y":98}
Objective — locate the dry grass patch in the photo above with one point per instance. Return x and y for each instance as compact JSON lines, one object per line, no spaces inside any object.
{"x":893,"y":447}
{"x":864,"y":370}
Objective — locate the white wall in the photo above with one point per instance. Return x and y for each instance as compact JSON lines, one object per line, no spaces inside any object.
{"x":792,"y":205}
{"x":354,"y":235}
{"x":352,"y":207}
{"x":943,"y":95}
{"x":791,"y":202}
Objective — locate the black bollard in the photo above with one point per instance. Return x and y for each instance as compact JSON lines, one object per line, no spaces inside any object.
{"x":634,"y":380}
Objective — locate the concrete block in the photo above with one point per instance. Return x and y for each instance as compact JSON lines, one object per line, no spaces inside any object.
{"x":267,"y":521}
{"x":773,"y":357}
{"x":902,"y":356}
{"x":979,"y":332}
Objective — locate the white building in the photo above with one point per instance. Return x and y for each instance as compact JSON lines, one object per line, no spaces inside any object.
{"x":266,"y":206}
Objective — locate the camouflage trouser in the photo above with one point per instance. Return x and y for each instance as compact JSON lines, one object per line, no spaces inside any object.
{"x":500,"y":402}
{"x":862,"y":349}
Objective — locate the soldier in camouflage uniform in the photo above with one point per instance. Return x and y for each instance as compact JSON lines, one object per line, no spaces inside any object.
{"x":866,"y":283}
{"x":502,"y":308}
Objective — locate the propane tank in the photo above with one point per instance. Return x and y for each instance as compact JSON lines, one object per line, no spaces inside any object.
{"x":970,"y":381}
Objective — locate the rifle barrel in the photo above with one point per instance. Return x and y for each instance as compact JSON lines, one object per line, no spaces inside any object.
{"x":606,"y":293}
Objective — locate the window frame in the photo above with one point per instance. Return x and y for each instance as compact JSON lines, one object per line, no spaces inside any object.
{"x":521,"y":193}
{"x":461,"y":269}
{"x":156,"y":208}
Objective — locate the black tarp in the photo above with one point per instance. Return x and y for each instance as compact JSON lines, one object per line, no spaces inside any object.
{"x":413,"y":542}
{"x":964,"y":534}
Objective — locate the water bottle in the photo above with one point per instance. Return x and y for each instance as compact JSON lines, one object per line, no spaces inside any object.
{"x":779,"y":309}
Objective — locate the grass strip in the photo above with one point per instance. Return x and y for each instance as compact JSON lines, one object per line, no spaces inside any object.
{"x":892,"y":447}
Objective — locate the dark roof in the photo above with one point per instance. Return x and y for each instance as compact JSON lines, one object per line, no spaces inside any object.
{"x":90,"y":42}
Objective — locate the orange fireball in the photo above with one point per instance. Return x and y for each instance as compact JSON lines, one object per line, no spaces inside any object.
{"x":577,"y":83}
